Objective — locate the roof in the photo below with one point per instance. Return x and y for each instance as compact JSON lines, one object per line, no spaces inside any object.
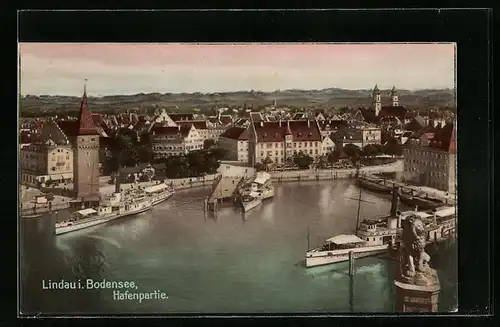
{"x":160,"y":166}
{"x":130,"y":170}
{"x":368,"y":115}
{"x":176,"y":117}
{"x":236,"y":133}
{"x":299,"y":115}
{"x":256,"y":116}
{"x":156,"y":188}
{"x":226,"y":119}
{"x":262,"y":177}
{"x":143,"y":165}
{"x":86,"y":212}
{"x":393,"y":111}
{"x":198,"y":124}
{"x":332,"y":124}
{"x":86,"y":125}
{"x":301,"y":130}
{"x":444,"y":139}
{"x":445,"y":211}
{"x":50,"y":130}
{"x":345,"y":239}
{"x":350,"y":134}
{"x":171,"y":130}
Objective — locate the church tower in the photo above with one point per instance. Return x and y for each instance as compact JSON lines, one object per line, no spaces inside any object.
{"x":376,"y":100}
{"x":394,"y":97}
{"x":86,"y":156}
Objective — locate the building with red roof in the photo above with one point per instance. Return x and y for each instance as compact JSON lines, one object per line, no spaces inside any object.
{"x":235,"y":143}
{"x":430,"y":159}
{"x":174,"y":140}
{"x":280,"y":140}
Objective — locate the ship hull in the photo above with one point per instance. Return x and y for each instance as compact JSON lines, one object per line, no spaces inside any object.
{"x":322,"y":258}
{"x":423,"y":204}
{"x":90,"y":222}
{"x":161,"y":198}
{"x":247,"y":206}
{"x":372,"y":186}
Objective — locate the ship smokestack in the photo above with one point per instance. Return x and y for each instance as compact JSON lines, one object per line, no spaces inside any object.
{"x":117,"y":179}
{"x":394,"y":201}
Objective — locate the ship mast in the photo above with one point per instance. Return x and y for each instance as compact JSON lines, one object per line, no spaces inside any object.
{"x":359,"y":208}
{"x":308,"y":236}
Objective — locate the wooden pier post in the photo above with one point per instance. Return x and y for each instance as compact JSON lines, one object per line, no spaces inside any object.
{"x":351,"y":263}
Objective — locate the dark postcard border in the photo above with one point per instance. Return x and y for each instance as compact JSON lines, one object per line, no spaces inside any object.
{"x":469,"y":28}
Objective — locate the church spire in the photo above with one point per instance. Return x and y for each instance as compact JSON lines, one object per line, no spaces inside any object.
{"x":86,"y":125}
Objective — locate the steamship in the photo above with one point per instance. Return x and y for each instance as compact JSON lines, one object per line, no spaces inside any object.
{"x":119,"y":205}
{"x":375,"y":236}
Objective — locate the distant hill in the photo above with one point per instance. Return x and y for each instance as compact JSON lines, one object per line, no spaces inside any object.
{"x":332,"y":97}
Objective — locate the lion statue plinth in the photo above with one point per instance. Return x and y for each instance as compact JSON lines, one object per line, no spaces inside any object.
{"x":414,"y":261}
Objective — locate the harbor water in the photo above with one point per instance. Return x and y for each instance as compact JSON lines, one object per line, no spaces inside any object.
{"x":229,"y":263}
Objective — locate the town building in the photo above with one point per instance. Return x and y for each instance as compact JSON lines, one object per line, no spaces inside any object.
{"x":371,"y":135}
{"x":327,"y":145}
{"x":280,"y":140}
{"x":348,"y":136}
{"x":234,"y":141}
{"x":174,"y":140}
{"x":329,"y":127}
{"x":387,"y":116}
{"x":430,"y":160}
{"x":46,"y":161}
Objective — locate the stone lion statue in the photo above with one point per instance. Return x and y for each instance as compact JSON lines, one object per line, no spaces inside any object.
{"x":414,"y":258}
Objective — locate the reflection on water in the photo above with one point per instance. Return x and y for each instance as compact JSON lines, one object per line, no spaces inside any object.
{"x":230,"y":262}
{"x":267,"y":212}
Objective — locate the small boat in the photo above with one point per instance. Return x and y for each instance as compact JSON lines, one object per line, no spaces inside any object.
{"x":337,"y":248}
{"x":114,"y":209}
{"x":251,"y":201}
{"x":374,"y":185}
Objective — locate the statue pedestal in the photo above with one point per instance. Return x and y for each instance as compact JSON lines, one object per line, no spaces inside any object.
{"x":419,"y":293}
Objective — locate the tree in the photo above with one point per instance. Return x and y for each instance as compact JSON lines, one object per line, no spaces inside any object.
{"x":145,"y":153}
{"x":333,"y":156}
{"x":260,"y":166}
{"x":207,"y":144}
{"x":352,"y":151}
{"x":393,"y":148}
{"x":302,"y":160}
{"x":218,"y":153}
{"x":196,"y":161}
{"x":370,"y":150}
{"x":267,"y":161}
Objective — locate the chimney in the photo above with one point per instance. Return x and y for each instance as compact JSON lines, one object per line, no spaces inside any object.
{"x":279,"y":122}
{"x":308,"y":123}
{"x":394,"y":202}
{"x":288,"y":124}
{"x":179,"y":127}
{"x":261,"y":124}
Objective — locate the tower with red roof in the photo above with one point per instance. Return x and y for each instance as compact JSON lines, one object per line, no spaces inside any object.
{"x":86,"y":156}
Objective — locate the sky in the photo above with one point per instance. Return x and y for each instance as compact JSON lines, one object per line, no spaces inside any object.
{"x":114,"y":68}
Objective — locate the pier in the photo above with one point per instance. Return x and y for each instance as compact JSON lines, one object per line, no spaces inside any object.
{"x":224,"y":190}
